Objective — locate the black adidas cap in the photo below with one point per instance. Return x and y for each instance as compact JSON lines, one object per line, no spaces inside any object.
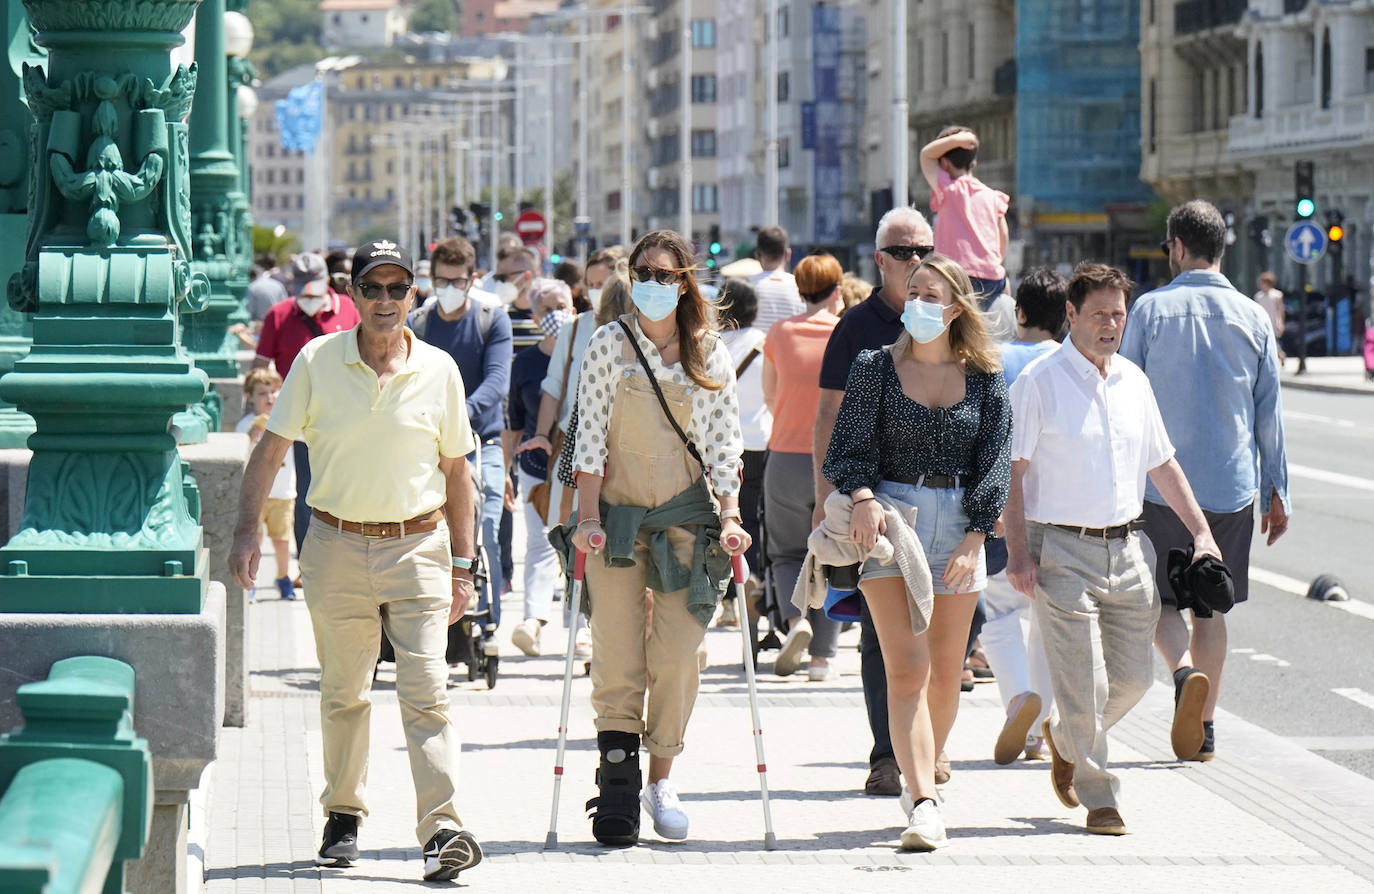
{"x":375,"y":254}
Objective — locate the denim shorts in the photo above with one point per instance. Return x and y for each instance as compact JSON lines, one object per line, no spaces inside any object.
{"x":940,"y":524}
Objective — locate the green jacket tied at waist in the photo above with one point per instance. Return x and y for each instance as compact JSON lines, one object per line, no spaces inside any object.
{"x":709,"y":575}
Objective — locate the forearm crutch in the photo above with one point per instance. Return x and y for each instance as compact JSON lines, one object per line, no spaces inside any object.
{"x":770,"y":840}
{"x":596,"y":541}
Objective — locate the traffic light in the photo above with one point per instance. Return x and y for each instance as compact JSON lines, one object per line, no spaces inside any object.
{"x":1302,"y":189}
{"x":714,"y":248}
{"x":1335,"y":236}
{"x":555,"y":258}
{"x":1259,"y":230}
{"x":500,"y":217}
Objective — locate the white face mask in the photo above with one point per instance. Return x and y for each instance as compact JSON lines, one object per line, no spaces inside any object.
{"x":594,"y":296}
{"x":507,"y":292}
{"x":315,"y":288}
{"x":451,"y":298}
{"x":311,"y":306}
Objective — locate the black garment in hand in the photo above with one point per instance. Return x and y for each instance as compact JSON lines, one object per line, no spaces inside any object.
{"x":1204,"y":586}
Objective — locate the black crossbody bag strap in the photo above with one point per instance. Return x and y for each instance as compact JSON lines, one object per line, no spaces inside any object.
{"x":662,"y":401}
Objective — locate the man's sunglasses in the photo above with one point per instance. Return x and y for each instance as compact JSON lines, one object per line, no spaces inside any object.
{"x":905,"y":252}
{"x":375,"y":291}
{"x":662,"y":277}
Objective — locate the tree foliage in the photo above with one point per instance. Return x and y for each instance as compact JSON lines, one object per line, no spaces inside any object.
{"x":286,"y":34}
{"x":435,"y":15}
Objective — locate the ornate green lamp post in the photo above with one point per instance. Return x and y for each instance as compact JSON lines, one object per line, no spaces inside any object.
{"x":111,"y":517}
{"x":215,"y":234}
{"x":15,"y":426}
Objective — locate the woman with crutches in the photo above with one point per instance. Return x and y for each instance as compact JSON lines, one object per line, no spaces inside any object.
{"x":657,"y":462}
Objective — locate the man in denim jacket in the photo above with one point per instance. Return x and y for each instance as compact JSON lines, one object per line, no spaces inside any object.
{"x":1212,"y":359}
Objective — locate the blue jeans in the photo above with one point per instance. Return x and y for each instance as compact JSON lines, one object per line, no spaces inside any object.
{"x":302,"y":519}
{"x":493,"y":496}
{"x":987,"y":290}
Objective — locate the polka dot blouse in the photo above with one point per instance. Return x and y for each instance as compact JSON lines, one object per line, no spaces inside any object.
{"x":713,"y":426}
{"x":880,"y":433}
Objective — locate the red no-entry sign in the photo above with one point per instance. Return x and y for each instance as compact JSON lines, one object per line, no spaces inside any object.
{"x":531,"y":226}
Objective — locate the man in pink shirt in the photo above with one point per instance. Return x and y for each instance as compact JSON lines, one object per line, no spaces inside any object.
{"x":971,"y":217}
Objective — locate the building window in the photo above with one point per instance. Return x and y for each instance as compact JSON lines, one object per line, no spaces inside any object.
{"x":703,"y":144}
{"x":704,"y":198}
{"x":784,"y":21}
{"x":613,"y":201}
{"x":271,"y":203}
{"x":1259,"y":80}
{"x":784,"y":152}
{"x":300,"y":202}
{"x":704,"y":33}
{"x":972,"y":51}
{"x":944,"y":58}
{"x":1369,"y":69}
{"x":784,"y":85}
{"x":703,"y":88}
{"x":271,"y":176}
{"x":1326,"y":69}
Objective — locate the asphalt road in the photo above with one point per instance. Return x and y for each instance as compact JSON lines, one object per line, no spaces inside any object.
{"x":1302,"y":668}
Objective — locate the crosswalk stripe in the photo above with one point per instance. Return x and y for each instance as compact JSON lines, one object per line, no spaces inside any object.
{"x":1358,"y":696}
{"x":1331,"y":477}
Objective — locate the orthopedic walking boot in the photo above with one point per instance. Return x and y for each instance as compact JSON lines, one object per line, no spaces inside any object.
{"x":615,"y":811}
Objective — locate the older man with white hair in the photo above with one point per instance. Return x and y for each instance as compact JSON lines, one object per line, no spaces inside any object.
{"x":904,"y":238}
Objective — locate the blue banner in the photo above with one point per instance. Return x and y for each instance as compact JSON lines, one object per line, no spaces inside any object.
{"x":300,"y":117}
{"x":827,"y":128}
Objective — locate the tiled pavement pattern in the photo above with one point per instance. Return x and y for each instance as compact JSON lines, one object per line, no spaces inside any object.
{"x":1264,"y":816}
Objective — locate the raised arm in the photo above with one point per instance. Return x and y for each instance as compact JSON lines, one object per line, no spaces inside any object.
{"x":931,"y":152}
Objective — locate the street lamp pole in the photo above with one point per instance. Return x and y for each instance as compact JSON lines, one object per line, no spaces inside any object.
{"x":770,"y":159}
{"x":899,"y":106}
{"x":583,"y":111}
{"x":684,"y":189}
{"x":626,"y":185}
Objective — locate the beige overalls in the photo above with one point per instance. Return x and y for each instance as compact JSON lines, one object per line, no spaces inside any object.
{"x":647,"y":466}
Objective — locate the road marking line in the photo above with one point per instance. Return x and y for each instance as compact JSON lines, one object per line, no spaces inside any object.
{"x":1331,"y":477}
{"x":1242,"y":651}
{"x":1263,"y":656}
{"x":1358,"y":696}
{"x":1325,"y":420}
{"x":1334,"y":743}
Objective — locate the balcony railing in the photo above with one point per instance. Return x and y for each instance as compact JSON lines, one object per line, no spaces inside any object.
{"x":1192,"y":16}
{"x":1346,"y":123}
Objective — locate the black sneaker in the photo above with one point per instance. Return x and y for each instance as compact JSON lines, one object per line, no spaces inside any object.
{"x":449,"y":853}
{"x":340,"y":846}
{"x":1209,"y":743}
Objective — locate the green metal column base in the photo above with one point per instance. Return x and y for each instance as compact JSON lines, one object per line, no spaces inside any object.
{"x":15,"y":427}
{"x":175,"y":593}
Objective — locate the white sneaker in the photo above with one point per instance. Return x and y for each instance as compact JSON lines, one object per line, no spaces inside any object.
{"x":525,"y":637}
{"x":661,"y":802}
{"x":582,"y":645}
{"x":925,"y":829}
{"x":822,"y":673}
{"x":789,"y":656}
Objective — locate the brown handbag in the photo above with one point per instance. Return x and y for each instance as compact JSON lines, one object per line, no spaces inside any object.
{"x":538,"y":496}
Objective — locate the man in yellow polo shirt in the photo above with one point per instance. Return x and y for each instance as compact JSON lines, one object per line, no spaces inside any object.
{"x":384,"y":417}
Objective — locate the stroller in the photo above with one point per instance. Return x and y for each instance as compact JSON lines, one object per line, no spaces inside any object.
{"x":472,"y":640}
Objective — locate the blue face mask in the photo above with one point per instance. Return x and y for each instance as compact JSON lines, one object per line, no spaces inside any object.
{"x":923,"y":320}
{"x":655,"y":300}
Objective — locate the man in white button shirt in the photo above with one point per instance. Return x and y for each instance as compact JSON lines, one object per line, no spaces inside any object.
{"x":1087,"y":432}
{"x":776,"y":288}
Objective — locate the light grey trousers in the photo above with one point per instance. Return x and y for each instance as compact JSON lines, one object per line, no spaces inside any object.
{"x":1096,"y":606}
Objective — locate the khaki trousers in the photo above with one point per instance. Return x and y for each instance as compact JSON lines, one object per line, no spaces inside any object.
{"x":647,"y":465}
{"x":1092,"y":590}
{"x":355,"y":587}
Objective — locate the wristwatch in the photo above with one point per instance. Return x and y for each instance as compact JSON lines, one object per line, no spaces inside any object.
{"x":462,"y":563}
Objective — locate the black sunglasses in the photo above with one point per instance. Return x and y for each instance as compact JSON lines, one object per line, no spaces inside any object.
{"x":375,"y":291}
{"x":662,"y":277}
{"x":1164,"y":247}
{"x":905,"y":252}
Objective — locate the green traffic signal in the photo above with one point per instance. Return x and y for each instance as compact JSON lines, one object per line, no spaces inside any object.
{"x":499,"y":216}
{"x":555,"y":258}
{"x":715,"y":248}
{"x":710,"y":262}
{"x":1306,"y":207}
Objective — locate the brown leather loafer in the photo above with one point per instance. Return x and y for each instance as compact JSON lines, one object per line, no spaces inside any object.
{"x":1021,"y":713}
{"x":1105,"y":821}
{"x":884,"y":779}
{"x":1190,"y":696}
{"x":1061,"y":771}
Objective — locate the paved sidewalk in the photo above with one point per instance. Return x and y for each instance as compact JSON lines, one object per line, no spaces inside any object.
{"x":1337,"y":374}
{"x":1264,"y":816}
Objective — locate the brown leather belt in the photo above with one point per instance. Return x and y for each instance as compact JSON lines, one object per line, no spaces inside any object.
{"x":1115,"y":532}
{"x":420,"y":524}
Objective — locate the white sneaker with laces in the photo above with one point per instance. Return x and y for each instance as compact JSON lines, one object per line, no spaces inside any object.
{"x":821,"y":673}
{"x":789,"y":656}
{"x":660,"y":801}
{"x":525,"y":637}
{"x":925,"y":829}
{"x":582,"y":645}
